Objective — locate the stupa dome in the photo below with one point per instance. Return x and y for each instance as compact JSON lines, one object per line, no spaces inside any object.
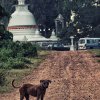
{"x":22,"y":22}
{"x":22,"y":16}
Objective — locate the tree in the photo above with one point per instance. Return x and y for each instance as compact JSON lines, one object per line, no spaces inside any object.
{"x":87,"y":18}
{"x":3,"y":13}
{"x":4,"y":35}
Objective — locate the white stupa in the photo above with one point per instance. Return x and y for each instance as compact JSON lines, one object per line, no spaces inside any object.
{"x":53,"y":37}
{"x":38,"y":37}
{"x":23,"y":26}
{"x":22,"y":23}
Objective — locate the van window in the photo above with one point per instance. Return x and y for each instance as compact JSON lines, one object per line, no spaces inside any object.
{"x":82,"y":41}
{"x":93,"y":41}
{"x":88,"y":41}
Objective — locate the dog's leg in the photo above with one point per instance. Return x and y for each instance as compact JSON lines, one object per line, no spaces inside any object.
{"x":42,"y":96}
{"x":22,"y":94}
{"x":21,"y":97}
{"x":38,"y":96}
{"x":27,"y":96}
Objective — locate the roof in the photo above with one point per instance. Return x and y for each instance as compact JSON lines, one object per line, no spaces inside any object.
{"x":88,"y":38}
{"x":59,"y":17}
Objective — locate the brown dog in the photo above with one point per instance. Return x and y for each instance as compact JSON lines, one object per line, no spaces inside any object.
{"x":33,"y":90}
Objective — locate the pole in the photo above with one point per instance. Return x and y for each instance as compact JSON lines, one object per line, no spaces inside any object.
{"x":72,"y":44}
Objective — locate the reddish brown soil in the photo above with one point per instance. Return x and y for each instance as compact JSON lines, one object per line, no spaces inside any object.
{"x":74,"y":75}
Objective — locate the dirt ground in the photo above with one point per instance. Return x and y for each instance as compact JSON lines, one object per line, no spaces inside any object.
{"x":74,"y":75}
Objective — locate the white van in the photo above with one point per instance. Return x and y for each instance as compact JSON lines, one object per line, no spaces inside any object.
{"x":89,"y":43}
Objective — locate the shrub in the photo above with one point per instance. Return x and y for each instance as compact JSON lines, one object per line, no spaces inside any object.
{"x":15,"y":63}
{"x":5,"y":54}
{"x":29,"y":50}
{"x":2,"y":77}
{"x":18,"y":63}
{"x":12,"y":54}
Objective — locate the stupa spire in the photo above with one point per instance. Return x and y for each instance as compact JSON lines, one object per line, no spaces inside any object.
{"x":21,"y":2}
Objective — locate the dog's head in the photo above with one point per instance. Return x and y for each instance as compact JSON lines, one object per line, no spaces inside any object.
{"x":45,"y":83}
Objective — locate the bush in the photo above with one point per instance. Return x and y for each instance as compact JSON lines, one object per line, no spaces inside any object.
{"x":5,"y":54}
{"x":2,"y":77}
{"x":12,"y":54}
{"x":18,"y":63}
{"x":29,"y":50}
{"x":15,"y":63}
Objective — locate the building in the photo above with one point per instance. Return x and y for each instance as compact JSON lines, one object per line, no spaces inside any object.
{"x":23,"y":26}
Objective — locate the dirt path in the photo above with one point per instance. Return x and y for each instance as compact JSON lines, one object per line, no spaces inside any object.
{"x":75,"y":76}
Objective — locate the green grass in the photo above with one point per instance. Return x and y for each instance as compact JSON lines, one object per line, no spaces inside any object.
{"x":18,"y":74}
{"x":98,"y":61}
{"x":13,"y":74}
{"x":96,"y":53}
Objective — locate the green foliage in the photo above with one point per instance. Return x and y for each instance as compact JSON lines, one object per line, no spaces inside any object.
{"x":16,"y":63}
{"x":5,"y":54}
{"x":87,"y":17}
{"x":29,"y":50}
{"x":13,"y":54}
{"x":5,"y":35}
{"x":3,"y":13}
{"x":2,"y":77}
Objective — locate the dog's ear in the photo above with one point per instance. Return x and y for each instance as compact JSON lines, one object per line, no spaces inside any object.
{"x":49,"y":81}
{"x":41,"y":81}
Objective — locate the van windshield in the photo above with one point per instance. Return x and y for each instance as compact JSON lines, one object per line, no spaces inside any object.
{"x":82,"y":41}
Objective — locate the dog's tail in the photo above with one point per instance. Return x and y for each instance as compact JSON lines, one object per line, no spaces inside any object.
{"x":13,"y":84}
